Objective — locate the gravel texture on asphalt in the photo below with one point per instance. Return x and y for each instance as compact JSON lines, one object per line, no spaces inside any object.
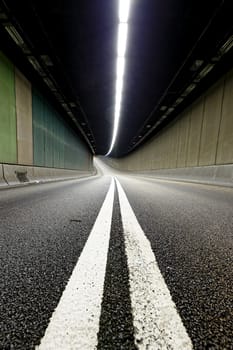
{"x":116,"y":324}
{"x":42,"y":232}
{"x":190,"y":229}
{"x":43,"y":229}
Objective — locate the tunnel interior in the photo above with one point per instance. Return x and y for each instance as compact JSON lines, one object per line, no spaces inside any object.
{"x":176,"y":50}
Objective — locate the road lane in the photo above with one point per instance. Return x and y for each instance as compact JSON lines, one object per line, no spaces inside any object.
{"x":156,"y":321}
{"x":42,"y":233}
{"x":190,"y":229}
{"x":44,"y":228}
{"x":116,"y":330}
{"x":75,"y":321}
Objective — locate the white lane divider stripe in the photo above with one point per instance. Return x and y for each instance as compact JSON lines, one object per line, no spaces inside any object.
{"x":75,"y":322}
{"x":156,"y":321}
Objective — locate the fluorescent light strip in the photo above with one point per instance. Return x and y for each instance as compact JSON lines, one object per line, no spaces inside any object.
{"x":14,"y":34}
{"x":122,"y":39}
{"x":124,"y":11}
{"x":124,"y":6}
{"x":120,"y":67}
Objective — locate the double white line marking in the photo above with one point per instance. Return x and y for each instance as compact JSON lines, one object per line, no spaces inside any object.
{"x":74,"y":324}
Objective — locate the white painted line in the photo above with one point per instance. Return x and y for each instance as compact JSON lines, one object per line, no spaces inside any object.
{"x":75,"y":322}
{"x":156,"y":321}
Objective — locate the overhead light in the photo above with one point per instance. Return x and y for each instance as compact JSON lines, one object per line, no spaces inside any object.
{"x":122,"y":39}
{"x":227,"y":45}
{"x":171,"y":109}
{"x":163,"y":108}
{"x":124,"y":6}
{"x":14,"y":34}
{"x":119,"y":88}
{"x":204,"y":72}
{"x":66,"y":108}
{"x":36,"y":65}
{"x":50,"y":84}
{"x":196,"y":65}
{"x":58,"y":97}
{"x":158,"y":122}
{"x":72,"y":104}
{"x":124,"y":11}
{"x":25,"y":49}
{"x":3,"y":16}
{"x":179,"y":100}
{"x":148,"y":126}
{"x":190,"y":88}
{"x":47,"y":60}
{"x":120,"y":67}
{"x":216,"y":59}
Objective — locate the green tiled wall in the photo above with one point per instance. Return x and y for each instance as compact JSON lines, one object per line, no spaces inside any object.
{"x":8,"y":145}
{"x":54,"y":143}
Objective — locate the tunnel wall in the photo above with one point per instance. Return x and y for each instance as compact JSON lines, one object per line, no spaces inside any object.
{"x":32,"y":133}
{"x":54,"y":144}
{"x":201,"y":136}
{"x":24,"y":119}
{"x":8,"y":144}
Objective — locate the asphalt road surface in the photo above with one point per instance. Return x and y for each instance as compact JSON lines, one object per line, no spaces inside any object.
{"x":116,"y":262}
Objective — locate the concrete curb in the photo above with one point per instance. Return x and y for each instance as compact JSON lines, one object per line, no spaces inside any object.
{"x":49,"y":174}
{"x":2,"y":179}
{"x":19,"y":175}
{"x":14,"y":173}
{"x":221,"y":175}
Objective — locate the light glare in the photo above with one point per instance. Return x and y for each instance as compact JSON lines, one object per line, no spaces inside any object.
{"x":124,"y":7}
{"x":124,"y":10}
{"x":119,"y":86}
{"x":118,"y":101}
{"x":120,"y":67}
{"x":122,"y":39}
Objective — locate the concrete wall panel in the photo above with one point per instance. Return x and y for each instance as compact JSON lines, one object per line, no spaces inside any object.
{"x":55,"y":144}
{"x":8,"y":147}
{"x":210,"y":127}
{"x":24,"y":119}
{"x":165,"y":148}
{"x":201,"y":136}
{"x":225,"y":142}
{"x":31,"y":131}
{"x":155,"y":151}
{"x":173,"y":135}
{"x":38,"y":130}
{"x":183,"y":140}
{"x":196,"y":119}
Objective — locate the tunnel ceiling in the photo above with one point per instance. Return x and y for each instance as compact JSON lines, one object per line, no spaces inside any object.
{"x":175,"y":49}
